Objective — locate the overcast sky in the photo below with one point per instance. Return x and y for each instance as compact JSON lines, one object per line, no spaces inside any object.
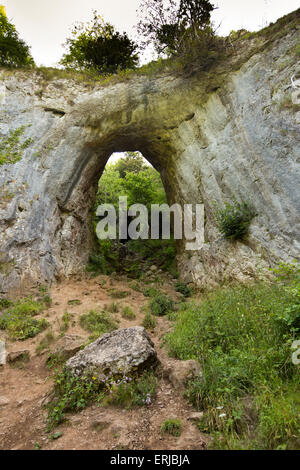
{"x":45,"y":24}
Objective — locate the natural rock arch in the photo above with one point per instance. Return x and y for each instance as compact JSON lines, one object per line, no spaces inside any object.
{"x":211,"y":135}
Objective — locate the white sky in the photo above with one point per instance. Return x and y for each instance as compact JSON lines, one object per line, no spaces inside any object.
{"x":45,"y":24}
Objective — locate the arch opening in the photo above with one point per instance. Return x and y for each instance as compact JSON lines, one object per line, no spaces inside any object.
{"x":130,"y":175}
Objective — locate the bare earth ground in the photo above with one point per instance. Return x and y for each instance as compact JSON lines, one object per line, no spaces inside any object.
{"x":23,"y":419}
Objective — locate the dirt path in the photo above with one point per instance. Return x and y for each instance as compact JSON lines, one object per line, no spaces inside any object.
{"x":22,"y":389}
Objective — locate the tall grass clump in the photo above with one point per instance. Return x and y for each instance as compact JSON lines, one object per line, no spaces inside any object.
{"x":242,"y":337}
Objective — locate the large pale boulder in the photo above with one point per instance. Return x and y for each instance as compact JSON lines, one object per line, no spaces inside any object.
{"x":121,"y":351}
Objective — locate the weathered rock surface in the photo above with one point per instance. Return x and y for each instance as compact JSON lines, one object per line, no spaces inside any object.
{"x":232,"y":132}
{"x":2,"y":353}
{"x":121,"y":351}
{"x":14,"y":356}
{"x":68,"y":346}
{"x":181,"y":371}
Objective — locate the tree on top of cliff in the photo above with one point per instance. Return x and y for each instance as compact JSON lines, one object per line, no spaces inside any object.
{"x":14,"y":52}
{"x":98,"y":46}
{"x":167,"y":24}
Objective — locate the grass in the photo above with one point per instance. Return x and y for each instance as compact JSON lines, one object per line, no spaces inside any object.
{"x":128,"y":313}
{"x":172,"y":426}
{"x":72,"y":394}
{"x":118,"y":294}
{"x":149,"y":321}
{"x":64,"y":325}
{"x":242,"y":337}
{"x":45,"y":342}
{"x":112,"y":308}
{"x":97,"y":323}
{"x":18,"y":319}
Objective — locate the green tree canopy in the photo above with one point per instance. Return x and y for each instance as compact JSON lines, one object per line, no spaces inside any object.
{"x":97,"y":45}
{"x":131,"y":177}
{"x":14,"y":52}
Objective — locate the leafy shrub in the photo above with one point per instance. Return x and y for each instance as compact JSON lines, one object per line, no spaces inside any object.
{"x":172,"y":426}
{"x":18,"y":319}
{"x":161,"y":305}
{"x":99,"y":47}
{"x":73,"y":393}
{"x":234,"y":220}
{"x":245,"y":354}
{"x":97,"y":323}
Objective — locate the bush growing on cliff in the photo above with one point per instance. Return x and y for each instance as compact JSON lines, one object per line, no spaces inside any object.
{"x":234,"y":219}
{"x":170,"y":25}
{"x":14,"y":52}
{"x":98,"y":46}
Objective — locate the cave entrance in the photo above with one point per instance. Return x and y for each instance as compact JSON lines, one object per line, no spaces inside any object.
{"x":129,"y":175}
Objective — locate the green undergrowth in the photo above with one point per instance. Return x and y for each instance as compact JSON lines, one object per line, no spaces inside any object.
{"x":97,"y":323}
{"x":18,"y":318}
{"x":242,"y":337}
{"x":197,"y":58}
{"x":172,"y":426}
{"x":72,"y":394}
{"x":161,"y":305}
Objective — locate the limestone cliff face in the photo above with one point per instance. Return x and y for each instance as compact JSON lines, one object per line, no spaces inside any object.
{"x":230,"y":133}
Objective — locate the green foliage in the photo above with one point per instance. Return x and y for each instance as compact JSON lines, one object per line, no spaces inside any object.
{"x":13,"y":51}
{"x":183,"y":289}
{"x":118,"y":294}
{"x":99,"y":47}
{"x":112,"y":308}
{"x":249,"y":382}
{"x":128,"y":313}
{"x":18,"y":319}
{"x":172,"y":426}
{"x":234,"y":220}
{"x":105,"y":260}
{"x":129,"y":392}
{"x":11,"y":147}
{"x":5,"y":303}
{"x":161,"y":253}
{"x":161,"y":305}
{"x":73,"y":393}
{"x":97,"y":323}
{"x":168,"y":25}
{"x":150,"y":292}
{"x":149,"y":321}
{"x":65,"y":323}
{"x":131,"y":177}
